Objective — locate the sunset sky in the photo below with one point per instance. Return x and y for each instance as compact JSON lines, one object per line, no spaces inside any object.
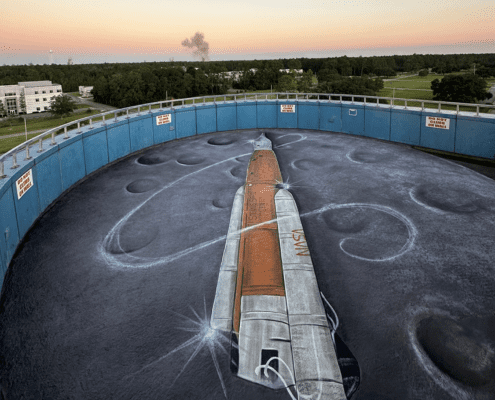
{"x":152,"y":30}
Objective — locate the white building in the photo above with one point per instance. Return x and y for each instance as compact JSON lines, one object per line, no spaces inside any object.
{"x":85,"y":91}
{"x":37,"y":95}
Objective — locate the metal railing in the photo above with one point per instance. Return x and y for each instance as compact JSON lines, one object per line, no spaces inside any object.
{"x":74,"y":127}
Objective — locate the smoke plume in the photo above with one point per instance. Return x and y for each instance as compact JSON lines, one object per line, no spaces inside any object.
{"x":201,"y":47}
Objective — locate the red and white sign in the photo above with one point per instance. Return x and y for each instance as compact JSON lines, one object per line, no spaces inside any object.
{"x":24,"y":183}
{"x":164,"y":119}
{"x":288,"y":108}
{"x":437,"y":122}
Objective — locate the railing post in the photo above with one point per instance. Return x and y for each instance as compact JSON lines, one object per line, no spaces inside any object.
{"x":224,"y":99}
{"x":2,"y":175}
{"x":40,"y":148}
{"x":91,"y":123}
{"x":439,"y":107}
{"x":457,"y":109}
{"x":405,"y":104}
{"x":53,"y":143}
{"x":66,"y":135}
{"x":422,"y":105}
{"x":127,"y":114}
{"x":103,"y":121}
{"x":477,"y":110}
{"x":115,"y":115}
{"x":78,"y":126}
{"x":139,"y":110}
{"x":14,"y":161}
{"x":161,"y":105}
{"x":149,"y":109}
{"x":28,"y":157}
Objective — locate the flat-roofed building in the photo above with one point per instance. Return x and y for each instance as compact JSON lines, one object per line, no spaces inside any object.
{"x":37,"y":96}
{"x":85,"y":91}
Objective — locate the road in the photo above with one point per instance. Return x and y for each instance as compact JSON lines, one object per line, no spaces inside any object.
{"x":91,"y":103}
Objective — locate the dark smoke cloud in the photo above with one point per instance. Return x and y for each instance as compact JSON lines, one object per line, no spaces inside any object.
{"x":201,"y":46}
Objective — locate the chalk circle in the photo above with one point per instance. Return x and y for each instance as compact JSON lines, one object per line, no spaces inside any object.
{"x":152,"y":159}
{"x":279,"y":141}
{"x":306,"y":164}
{"x":221,"y":203}
{"x":239,"y":171}
{"x":221,"y":141}
{"x":133,"y":237}
{"x":457,"y":349}
{"x":450,"y":198}
{"x":190,"y":159}
{"x":370,"y":156}
{"x":373,"y":232}
{"x":141,"y":185}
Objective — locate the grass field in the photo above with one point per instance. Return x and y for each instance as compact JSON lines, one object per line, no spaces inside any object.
{"x":41,"y":123}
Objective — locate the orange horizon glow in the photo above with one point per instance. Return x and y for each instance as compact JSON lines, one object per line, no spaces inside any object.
{"x":230,"y":27}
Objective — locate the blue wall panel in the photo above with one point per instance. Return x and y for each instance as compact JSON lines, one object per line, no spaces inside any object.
{"x":95,"y":149}
{"x":436,"y":138}
{"x":9,"y":233}
{"x":118,"y":140}
{"x":308,"y":116}
{"x":72,"y":166}
{"x":330,"y":117}
{"x":206,"y":119}
{"x":141,"y":132}
{"x":266,"y":114}
{"x":377,"y":122}
{"x":49,"y":179}
{"x":246,"y":115}
{"x":285,"y":119}
{"x":353,"y":119}
{"x":405,"y":127}
{"x":185,"y":122}
{"x":27,"y":208}
{"x":226,"y":117}
{"x":165,"y":132}
{"x":475,"y":136}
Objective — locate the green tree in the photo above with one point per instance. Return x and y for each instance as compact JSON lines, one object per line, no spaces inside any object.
{"x":22,"y":103}
{"x":423,"y":72}
{"x":287,"y":83}
{"x":294,"y":63}
{"x":305,"y":82}
{"x":62,"y":105}
{"x":2,"y":109}
{"x":466,"y":88}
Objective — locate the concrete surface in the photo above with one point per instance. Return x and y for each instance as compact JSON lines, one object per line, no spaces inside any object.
{"x":110,"y":294}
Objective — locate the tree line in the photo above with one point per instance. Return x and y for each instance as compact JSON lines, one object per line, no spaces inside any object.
{"x":127,"y":84}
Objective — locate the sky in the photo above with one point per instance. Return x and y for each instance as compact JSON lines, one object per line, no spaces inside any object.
{"x":97,"y":31}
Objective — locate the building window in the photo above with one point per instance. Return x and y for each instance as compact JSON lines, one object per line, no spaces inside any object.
{"x":59,"y":90}
{"x":51,"y":91}
{"x":9,"y":94}
{"x":46,"y":108}
{"x":44,"y":98}
{"x":37,"y":108}
{"x":36,"y":92}
{"x":37,"y":100}
{"x":44,"y":91}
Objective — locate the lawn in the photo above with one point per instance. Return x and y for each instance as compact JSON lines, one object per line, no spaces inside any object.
{"x":40,"y":123}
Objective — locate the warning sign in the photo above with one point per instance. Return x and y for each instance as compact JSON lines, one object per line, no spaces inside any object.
{"x":437,"y":122}
{"x":164,"y":119}
{"x":24,"y":183}
{"x":288,"y":108}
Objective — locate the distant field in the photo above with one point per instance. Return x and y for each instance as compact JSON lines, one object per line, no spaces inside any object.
{"x":40,"y":123}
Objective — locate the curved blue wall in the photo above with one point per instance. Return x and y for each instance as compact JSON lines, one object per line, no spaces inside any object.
{"x":63,"y":164}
